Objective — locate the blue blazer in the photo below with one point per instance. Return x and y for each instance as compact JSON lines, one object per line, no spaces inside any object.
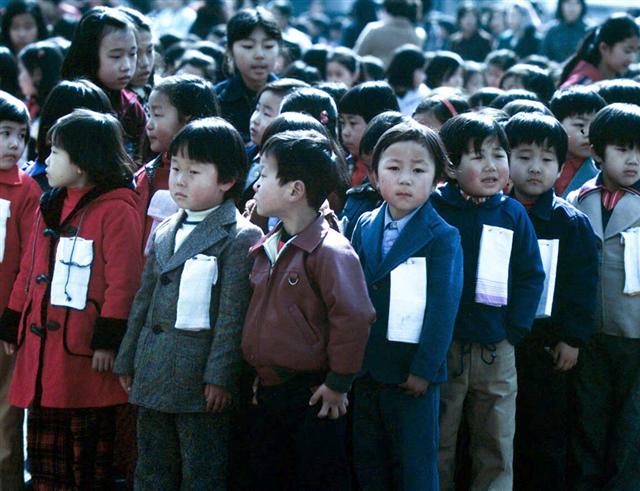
{"x":425,"y":235}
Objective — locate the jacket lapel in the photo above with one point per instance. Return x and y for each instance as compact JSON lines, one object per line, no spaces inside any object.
{"x":591,"y":206}
{"x":372,"y":237}
{"x":164,"y":242}
{"x":625,"y":214}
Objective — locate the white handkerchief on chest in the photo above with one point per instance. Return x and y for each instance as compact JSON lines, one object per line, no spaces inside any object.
{"x":631,"y":241}
{"x":72,"y":272}
{"x":199,"y":274}
{"x":549,"y":254}
{"x":5,"y":213}
{"x":407,"y":301}
{"x":492,"y":279}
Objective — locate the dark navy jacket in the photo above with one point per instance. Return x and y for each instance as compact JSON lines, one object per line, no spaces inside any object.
{"x":360,"y":199}
{"x":479,"y":323}
{"x":425,"y":235}
{"x":573,"y":314}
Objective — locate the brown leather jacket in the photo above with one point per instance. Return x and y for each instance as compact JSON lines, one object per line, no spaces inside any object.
{"x":310,"y":310}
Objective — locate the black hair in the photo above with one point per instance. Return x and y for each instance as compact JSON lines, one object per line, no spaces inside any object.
{"x":244,"y":22}
{"x":62,"y":100}
{"x":526,"y":106}
{"x":470,"y":130}
{"x":316,"y":56}
{"x":436,"y":105}
{"x":409,"y":9}
{"x":13,"y":109}
{"x":315,"y":103}
{"x":83,"y":58}
{"x":533,"y":78}
{"x":623,"y":90}
{"x":540,"y":61}
{"x":173,"y":54}
{"x":192,"y":96}
{"x":616,"y":124}
{"x":376,"y":127}
{"x":560,"y":16}
{"x":305,"y":156}
{"x":372,"y":68}
{"x":363,"y":12}
{"x":467,"y":8}
{"x":139,"y":20}
{"x":502,"y":58}
{"x":199,"y":60}
{"x":215,"y":141}
{"x":46,"y":57}
{"x":441,"y":67}
{"x":613,"y":30}
{"x":100,"y":152}
{"x":496,"y":114}
{"x":303,"y":72}
{"x":577,"y":100}
{"x":336,"y":90}
{"x":368,"y":100}
{"x":410,"y":131}
{"x":484,"y":97}
{"x":345,"y":57}
{"x":283,"y":7}
{"x":513,"y":95}
{"x":470,"y":69}
{"x":9,"y":72}
{"x":538,"y":129}
{"x":406,"y":60}
{"x":168,"y":40}
{"x":19,"y":7}
{"x":282,"y":87}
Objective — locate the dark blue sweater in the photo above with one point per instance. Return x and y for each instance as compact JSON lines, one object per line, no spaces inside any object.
{"x":479,"y":323}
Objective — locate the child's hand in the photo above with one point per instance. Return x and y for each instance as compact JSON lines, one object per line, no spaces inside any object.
{"x":9,"y":348}
{"x":415,"y":386}
{"x":217,"y":398}
{"x":102,"y":360}
{"x":126,"y":381}
{"x":565,"y":357}
{"x":334,"y":404}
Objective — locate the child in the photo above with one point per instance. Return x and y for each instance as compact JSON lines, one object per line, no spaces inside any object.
{"x":565,"y":317}
{"x":413,"y":266}
{"x":575,"y":108}
{"x":173,"y":103}
{"x":529,"y":77}
{"x":604,"y":451}
{"x":74,"y":289}
{"x":142,"y":80}
{"x":253,"y":43}
{"x":180,"y":358}
{"x":307,"y":325}
{"x":436,"y":110}
{"x":497,"y":63}
{"x":343,"y":65}
{"x":503,"y":279}
{"x":444,"y":70}
{"x":9,"y":72}
{"x":104,"y":50}
{"x":406,"y":76}
{"x":606,"y":52}
{"x":22,"y":24}
{"x":19,"y":195}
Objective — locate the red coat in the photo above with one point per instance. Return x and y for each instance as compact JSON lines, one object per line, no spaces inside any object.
{"x":23,"y":192}
{"x":55,"y":344}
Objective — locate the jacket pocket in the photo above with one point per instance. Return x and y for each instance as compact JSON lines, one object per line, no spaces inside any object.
{"x":190,"y":361}
{"x":302,"y":325}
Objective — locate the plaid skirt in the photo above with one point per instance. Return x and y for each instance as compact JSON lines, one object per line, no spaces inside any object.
{"x":71,"y":449}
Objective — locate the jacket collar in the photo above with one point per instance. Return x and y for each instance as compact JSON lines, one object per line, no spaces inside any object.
{"x":307,"y":240}
{"x":543,"y":207}
{"x":236,"y":88}
{"x":450,"y":194}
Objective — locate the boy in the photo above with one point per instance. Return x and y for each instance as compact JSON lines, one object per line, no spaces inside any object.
{"x":307,"y":325}
{"x":503,"y":278}
{"x":405,"y":243}
{"x":19,"y":196}
{"x":180,"y":357}
{"x":550,"y":351}
{"x":575,"y":108}
{"x":497,"y":63}
{"x":605,"y":451}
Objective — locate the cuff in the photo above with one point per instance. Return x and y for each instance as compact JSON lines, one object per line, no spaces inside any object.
{"x":108,"y":333}
{"x":339,"y":382}
{"x":9,"y":322}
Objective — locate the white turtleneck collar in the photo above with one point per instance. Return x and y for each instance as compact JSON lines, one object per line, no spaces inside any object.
{"x":190,"y":222}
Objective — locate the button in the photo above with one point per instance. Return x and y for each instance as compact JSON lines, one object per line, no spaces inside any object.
{"x":376,"y":286}
{"x":156,"y":329}
{"x":49,"y":232}
{"x":36,"y":330}
{"x":53,"y":325}
{"x":42,"y":278}
{"x":165,"y":279}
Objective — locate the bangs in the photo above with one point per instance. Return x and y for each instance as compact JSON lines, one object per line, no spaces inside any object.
{"x":616,"y":124}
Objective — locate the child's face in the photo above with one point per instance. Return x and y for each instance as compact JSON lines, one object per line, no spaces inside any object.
{"x":353,"y":126}
{"x":456,"y":79}
{"x":267,"y":108}
{"x":337,"y":72}
{"x":534,"y":169}
{"x":511,"y":82}
{"x":117,"y":56}
{"x":255,"y":57}
{"x":475,"y":83}
{"x":271,"y":195}
{"x":27,"y":85}
{"x":23,"y":31}
{"x":12,"y":136}
{"x":482,"y":174}
{"x":493,"y":75}
{"x":406,"y":173}
{"x":194,"y":185}
{"x":620,"y":166}
{"x":163,"y":123}
{"x":61,"y":172}
{"x":577,"y":128}
{"x":618,"y":57}
{"x":428,"y":119}
{"x":145,"y":59}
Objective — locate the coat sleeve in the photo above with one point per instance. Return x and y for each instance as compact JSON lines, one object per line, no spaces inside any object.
{"x":223,"y":364}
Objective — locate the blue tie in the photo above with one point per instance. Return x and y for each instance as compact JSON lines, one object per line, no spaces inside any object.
{"x":389,"y":236}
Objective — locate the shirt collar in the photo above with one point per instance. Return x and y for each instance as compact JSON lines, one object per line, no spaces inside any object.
{"x":10,"y":176}
{"x":400,"y":224}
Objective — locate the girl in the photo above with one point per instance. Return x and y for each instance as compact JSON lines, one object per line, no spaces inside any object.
{"x":142,"y":80}
{"x":436,"y":110}
{"x":253,"y":44}
{"x":9,"y":72}
{"x":75,"y":289}
{"x":445,"y":70}
{"x":343,"y":65}
{"x":406,"y":76}
{"x":565,"y":33}
{"x":104,"y":50}
{"x":522,"y":36}
{"x":22,"y":24}
{"x":529,"y":77}
{"x":606,"y":52}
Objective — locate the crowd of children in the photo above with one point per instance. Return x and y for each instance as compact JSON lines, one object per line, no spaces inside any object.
{"x":304,"y":278}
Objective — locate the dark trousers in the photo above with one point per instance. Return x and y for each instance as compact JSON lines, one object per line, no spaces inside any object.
{"x":291,"y":448}
{"x":605,"y":451}
{"x":395,"y":437}
{"x":542,"y":419}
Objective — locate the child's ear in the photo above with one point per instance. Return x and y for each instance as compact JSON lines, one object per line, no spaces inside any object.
{"x":560,"y":170}
{"x":450,"y":170}
{"x":297,"y":191}
{"x":596,"y":158}
{"x":225,"y":186}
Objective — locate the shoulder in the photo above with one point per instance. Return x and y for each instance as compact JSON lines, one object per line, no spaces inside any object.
{"x":246,"y":232}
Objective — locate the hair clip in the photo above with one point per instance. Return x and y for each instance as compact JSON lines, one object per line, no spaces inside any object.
{"x":324,"y":117}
